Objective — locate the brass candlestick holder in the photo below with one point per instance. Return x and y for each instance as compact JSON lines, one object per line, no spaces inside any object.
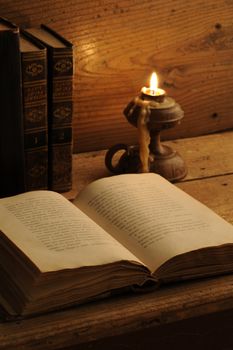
{"x":151,"y":112}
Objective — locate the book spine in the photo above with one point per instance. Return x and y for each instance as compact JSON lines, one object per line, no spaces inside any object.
{"x":34,"y":78}
{"x":60,"y":119}
{"x":11,"y":121}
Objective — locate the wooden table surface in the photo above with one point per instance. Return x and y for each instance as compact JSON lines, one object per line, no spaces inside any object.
{"x":134,"y":321}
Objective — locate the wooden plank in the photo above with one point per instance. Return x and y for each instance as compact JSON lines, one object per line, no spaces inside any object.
{"x":215,"y":192}
{"x":118,"y":45}
{"x":205,"y":156}
{"x":206,"y":332}
{"x":119,"y":315}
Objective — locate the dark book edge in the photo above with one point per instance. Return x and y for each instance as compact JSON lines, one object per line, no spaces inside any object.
{"x":11,"y":140}
{"x":9,"y":24}
{"x":34,"y":87}
{"x":57,"y":35}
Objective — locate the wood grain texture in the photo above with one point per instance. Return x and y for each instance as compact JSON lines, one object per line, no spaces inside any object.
{"x":105,"y":319}
{"x":216,"y":193}
{"x":206,"y":157}
{"x":118,"y":45}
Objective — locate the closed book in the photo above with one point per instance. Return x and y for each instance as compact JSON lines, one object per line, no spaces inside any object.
{"x":11,"y":123}
{"x":60,"y":106}
{"x":34,"y":94}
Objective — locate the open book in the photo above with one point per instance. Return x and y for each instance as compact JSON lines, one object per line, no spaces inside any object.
{"x":125,"y":231}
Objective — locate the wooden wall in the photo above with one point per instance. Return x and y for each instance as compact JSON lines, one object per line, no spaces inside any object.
{"x":118,"y":45}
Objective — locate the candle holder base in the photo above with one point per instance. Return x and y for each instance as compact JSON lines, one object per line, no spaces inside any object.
{"x":168,"y":164}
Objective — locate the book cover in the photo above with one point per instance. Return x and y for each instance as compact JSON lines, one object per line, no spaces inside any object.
{"x":11,"y":123}
{"x":60,"y":106}
{"x":34,"y":88}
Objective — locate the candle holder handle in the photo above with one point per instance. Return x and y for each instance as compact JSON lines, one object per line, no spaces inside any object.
{"x":127,"y":162}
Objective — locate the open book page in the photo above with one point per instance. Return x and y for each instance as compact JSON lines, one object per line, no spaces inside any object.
{"x":152,"y":218}
{"x":55,"y":234}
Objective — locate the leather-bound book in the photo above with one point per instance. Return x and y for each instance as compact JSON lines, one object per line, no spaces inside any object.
{"x":60,"y":106}
{"x":34,"y":88}
{"x":11,"y":123}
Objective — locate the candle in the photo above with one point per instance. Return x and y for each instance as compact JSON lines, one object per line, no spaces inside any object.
{"x":153,"y":92}
{"x":149,"y":96}
{"x":143,"y":133}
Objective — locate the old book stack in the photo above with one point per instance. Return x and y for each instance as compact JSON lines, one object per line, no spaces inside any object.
{"x":36,"y":124}
{"x":60,"y":86}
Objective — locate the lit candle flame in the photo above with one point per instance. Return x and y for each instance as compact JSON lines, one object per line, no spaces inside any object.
{"x":154,"y":83}
{"x":153,"y":90}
